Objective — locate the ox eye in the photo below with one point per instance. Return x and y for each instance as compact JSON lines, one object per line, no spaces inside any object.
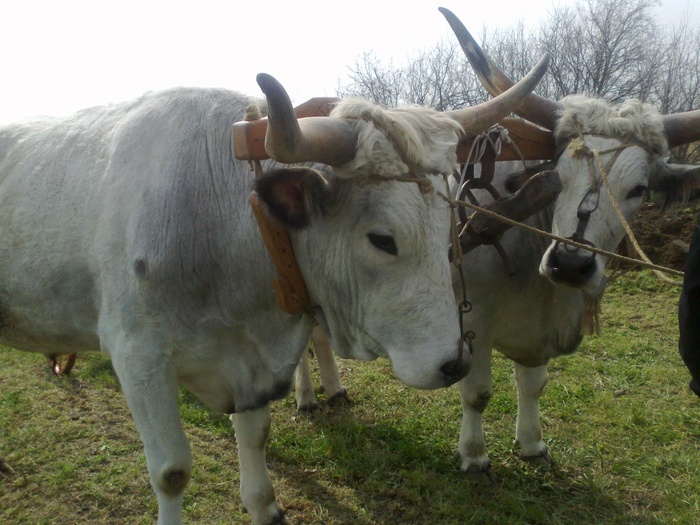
{"x":383,"y":242}
{"x":637,"y":192}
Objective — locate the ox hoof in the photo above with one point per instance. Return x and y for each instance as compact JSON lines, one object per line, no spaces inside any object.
{"x":481,"y":474}
{"x":277,"y":519}
{"x":308,"y":407}
{"x":280,"y":520}
{"x":61,"y":365}
{"x":543,"y":459}
{"x":5,"y":469}
{"x":340,"y":398}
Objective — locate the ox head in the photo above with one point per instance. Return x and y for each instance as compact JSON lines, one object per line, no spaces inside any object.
{"x":609,"y":158}
{"x":369,"y":227}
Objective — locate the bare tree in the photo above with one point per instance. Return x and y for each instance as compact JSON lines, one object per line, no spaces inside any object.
{"x":438,"y":78}
{"x":613,"y":49}
{"x":515,"y":50}
{"x":678,"y":88}
{"x":604,"y":48}
{"x":678,"y":85}
{"x":373,"y":81}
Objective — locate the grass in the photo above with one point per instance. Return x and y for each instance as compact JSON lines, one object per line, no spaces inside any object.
{"x":619,"y":419}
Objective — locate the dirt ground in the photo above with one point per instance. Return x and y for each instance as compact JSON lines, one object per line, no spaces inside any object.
{"x":665,"y":236}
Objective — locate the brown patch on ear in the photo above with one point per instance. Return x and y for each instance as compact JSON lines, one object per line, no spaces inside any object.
{"x":289,"y":193}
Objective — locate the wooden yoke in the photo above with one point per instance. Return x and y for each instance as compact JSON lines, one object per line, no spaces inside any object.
{"x":534,"y":143}
{"x":249,"y":136}
{"x":538,"y":191}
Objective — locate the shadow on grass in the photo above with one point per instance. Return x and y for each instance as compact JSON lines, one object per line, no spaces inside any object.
{"x":366,"y":470}
{"x":382,"y":474}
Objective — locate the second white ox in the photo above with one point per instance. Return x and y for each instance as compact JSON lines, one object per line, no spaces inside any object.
{"x":127,"y":229}
{"x":536,"y":313}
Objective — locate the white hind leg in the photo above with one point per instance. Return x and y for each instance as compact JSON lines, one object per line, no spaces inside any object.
{"x":304,"y":385}
{"x":330,"y":378}
{"x":528,"y":433}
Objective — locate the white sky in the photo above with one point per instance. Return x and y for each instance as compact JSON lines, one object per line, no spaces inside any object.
{"x":59,"y":56}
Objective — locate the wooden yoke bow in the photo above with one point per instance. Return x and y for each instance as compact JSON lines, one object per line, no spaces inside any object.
{"x":249,"y":144}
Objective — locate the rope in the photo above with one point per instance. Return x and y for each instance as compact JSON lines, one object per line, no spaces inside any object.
{"x":628,"y":229}
{"x":531,"y":229}
{"x":579,"y":148}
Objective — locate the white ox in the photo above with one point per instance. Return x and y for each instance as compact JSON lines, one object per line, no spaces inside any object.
{"x":127,"y":229}
{"x":536,"y":313}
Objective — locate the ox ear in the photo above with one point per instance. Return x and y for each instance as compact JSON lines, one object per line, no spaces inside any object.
{"x":676,"y":182}
{"x":292,"y":194}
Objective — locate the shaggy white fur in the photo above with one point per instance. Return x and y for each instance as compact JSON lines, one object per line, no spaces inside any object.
{"x":427,"y":137}
{"x":637,"y":120}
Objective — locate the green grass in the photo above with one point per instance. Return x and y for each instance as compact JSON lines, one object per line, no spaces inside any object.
{"x":618,"y":418}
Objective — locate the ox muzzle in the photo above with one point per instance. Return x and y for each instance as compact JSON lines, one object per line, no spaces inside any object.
{"x":456,"y":369}
{"x":569,"y":264}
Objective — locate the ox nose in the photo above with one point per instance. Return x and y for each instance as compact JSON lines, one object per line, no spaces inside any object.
{"x":456,"y":369}
{"x":571,"y":265}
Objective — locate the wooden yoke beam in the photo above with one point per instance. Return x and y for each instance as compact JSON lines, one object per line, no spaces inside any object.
{"x":249,"y":137}
{"x":533,"y":142}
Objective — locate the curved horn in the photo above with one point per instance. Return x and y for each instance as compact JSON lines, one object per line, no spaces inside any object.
{"x":537,"y":109}
{"x":682,"y":128}
{"x":312,"y":139}
{"x":479,"y":118}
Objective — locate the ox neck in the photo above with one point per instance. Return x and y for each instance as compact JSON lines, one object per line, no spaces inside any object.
{"x":290,"y":288}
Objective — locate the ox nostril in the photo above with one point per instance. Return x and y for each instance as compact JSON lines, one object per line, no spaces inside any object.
{"x":455,"y":370}
{"x":573,"y":266}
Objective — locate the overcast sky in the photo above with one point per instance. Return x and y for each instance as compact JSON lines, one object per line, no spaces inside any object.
{"x":59,"y":56}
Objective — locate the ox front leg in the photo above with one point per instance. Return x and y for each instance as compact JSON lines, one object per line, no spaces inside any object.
{"x":528,"y":433}
{"x":330,"y":378}
{"x":475,"y":392}
{"x":252,"y":429}
{"x":150,"y":386}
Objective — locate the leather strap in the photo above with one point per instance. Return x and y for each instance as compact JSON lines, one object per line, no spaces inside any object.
{"x":290,"y":288}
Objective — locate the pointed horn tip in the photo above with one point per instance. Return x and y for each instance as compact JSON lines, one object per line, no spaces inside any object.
{"x":266,"y":82}
{"x":453,"y":20}
{"x":536,"y":74}
{"x":544,"y":62}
